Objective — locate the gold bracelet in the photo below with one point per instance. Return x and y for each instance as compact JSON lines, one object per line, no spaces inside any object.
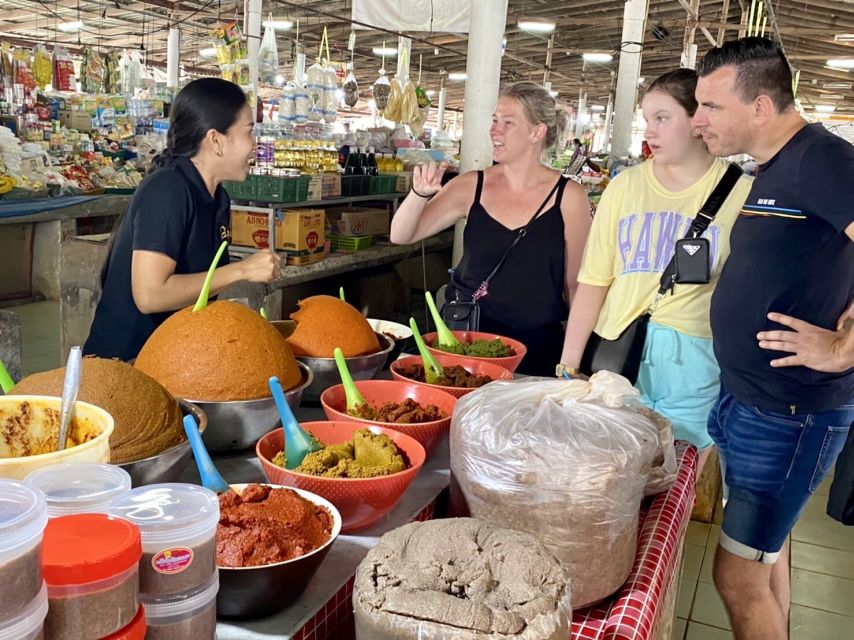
{"x":562,"y":369}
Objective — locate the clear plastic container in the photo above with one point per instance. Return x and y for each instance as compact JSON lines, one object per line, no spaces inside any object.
{"x":28,"y":624}
{"x":188,"y":615}
{"x":23,"y":516}
{"x":91,"y":566}
{"x":178,"y":524}
{"x":83,"y":487}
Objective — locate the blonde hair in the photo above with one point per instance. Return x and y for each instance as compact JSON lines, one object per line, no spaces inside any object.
{"x":540,"y":108}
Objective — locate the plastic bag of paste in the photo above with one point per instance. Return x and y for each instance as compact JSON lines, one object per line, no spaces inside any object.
{"x":567,"y":461}
{"x":330,"y":95}
{"x":394,"y":110}
{"x":351,"y":90}
{"x":268,"y":56}
{"x":314,"y":86}
{"x":381,"y":90}
{"x":460,"y":579}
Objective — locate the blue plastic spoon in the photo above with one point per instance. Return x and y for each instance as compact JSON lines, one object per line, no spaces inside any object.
{"x":207,"y":471}
{"x":298,"y":443}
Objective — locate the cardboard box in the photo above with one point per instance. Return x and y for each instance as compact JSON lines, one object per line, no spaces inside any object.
{"x":80,"y":120}
{"x":404,"y":181}
{"x":324,"y":185}
{"x":299,"y":232}
{"x":358,"y":221}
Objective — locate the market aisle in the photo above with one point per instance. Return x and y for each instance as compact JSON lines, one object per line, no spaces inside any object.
{"x":39,"y":335}
{"x":822,"y":561}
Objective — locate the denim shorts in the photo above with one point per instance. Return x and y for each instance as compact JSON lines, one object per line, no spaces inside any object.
{"x":679,"y":378}
{"x":771,"y":464}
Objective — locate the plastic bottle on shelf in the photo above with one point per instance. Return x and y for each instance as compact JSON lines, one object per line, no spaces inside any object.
{"x":373,"y":169}
{"x":398,"y":164}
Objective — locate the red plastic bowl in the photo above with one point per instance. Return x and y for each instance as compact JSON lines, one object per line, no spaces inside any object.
{"x":477,"y":366}
{"x":377,"y":392}
{"x":509,"y":362}
{"x":361,"y":502}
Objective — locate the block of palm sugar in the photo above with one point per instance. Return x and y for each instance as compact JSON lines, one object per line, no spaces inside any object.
{"x":147,"y":418}
{"x":224,"y":352}
{"x":324,"y":322}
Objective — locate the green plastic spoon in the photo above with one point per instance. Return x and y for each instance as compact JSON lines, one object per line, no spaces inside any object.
{"x":354,"y":397}
{"x":341,"y":294}
{"x":432,"y":369}
{"x":6,"y":382}
{"x":446,"y":337}
{"x":263,"y":313}
{"x":202,"y":302}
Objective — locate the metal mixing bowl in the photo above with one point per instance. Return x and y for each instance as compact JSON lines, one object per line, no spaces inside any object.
{"x":168,"y":465}
{"x":238,"y":424}
{"x":361,"y":368}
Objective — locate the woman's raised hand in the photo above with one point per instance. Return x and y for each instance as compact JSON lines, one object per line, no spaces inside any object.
{"x":427,"y":178}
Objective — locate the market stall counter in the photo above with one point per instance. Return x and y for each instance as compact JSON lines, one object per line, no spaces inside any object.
{"x":642,"y":609}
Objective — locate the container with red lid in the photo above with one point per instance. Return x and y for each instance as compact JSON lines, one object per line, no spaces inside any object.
{"x":91,"y":565}
{"x":136,"y":630}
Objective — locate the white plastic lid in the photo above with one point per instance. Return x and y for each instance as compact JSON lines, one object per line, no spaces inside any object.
{"x":84,"y":487}
{"x":180,"y":606}
{"x":23,"y":514}
{"x":29,"y":621}
{"x":169,"y":513}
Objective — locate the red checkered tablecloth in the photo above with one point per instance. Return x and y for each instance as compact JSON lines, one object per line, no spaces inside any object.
{"x":633,"y":613}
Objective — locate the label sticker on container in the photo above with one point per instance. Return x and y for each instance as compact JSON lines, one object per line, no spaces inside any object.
{"x":172,"y":561}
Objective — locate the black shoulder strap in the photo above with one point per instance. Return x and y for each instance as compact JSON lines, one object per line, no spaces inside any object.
{"x":479,"y":188}
{"x":704,"y":218}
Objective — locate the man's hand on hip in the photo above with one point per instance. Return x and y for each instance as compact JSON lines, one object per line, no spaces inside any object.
{"x":813,"y":347}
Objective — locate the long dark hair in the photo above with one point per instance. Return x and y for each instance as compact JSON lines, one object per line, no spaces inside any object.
{"x":202,"y":105}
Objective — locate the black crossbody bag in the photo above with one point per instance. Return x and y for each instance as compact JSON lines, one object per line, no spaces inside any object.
{"x":690,"y":264}
{"x":463,"y":312}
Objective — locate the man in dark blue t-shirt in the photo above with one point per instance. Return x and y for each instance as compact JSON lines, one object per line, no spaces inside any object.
{"x":787,"y":365}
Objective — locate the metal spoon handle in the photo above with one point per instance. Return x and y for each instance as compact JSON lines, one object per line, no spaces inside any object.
{"x":69,"y":393}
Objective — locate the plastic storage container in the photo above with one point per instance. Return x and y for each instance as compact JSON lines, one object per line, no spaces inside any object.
{"x":189,"y":615}
{"x":177,"y":523}
{"x":135,"y":630}
{"x":28,"y":624}
{"x":23,"y":516}
{"x":91,"y":566}
{"x":79,"y":487}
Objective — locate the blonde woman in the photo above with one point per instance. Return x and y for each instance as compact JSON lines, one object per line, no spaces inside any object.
{"x":528,"y":297}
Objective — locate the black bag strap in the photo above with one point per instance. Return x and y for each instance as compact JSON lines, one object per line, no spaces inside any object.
{"x":704,"y":218}
{"x":522,"y":233}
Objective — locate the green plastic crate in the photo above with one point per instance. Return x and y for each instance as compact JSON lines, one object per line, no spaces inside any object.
{"x":278,"y":189}
{"x":349,"y":244}
{"x":381,"y":185}
{"x":246,"y":190}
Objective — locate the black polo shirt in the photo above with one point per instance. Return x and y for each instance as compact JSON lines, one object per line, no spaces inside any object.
{"x":790,"y":254}
{"x":173,"y":213}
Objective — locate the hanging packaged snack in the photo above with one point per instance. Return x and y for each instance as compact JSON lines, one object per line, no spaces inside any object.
{"x":351,"y":90}
{"x":63,"y":70}
{"x":7,"y":71}
{"x":93,"y":71}
{"x":410,"y":112}
{"x":113,"y":83}
{"x":287,"y":104}
{"x":381,"y":90}
{"x":268,"y":55}
{"x":42,"y":66}
{"x":314,"y":86}
{"x":394,"y":109}
{"x":302,"y":104}
{"x":330,"y":94}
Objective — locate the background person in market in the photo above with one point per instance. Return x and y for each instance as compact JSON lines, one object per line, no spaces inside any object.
{"x":528,"y":298}
{"x":778,"y":428}
{"x":163,"y":245}
{"x":639,"y":218}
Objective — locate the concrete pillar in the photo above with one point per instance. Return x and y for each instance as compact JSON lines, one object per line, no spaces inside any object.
{"x":173,"y":57}
{"x":582,"y":113}
{"x":609,"y":114}
{"x":634,"y":25}
{"x":483,"y":70}
{"x":440,"y":118}
{"x":253,"y":41}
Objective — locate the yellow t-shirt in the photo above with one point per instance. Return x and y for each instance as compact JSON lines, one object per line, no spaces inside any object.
{"x":633,"y":237}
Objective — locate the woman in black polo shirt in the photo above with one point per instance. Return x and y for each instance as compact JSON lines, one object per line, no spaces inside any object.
{"x":177,"y":220}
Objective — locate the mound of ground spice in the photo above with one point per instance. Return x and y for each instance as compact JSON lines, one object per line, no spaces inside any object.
{"x":263,"y":525}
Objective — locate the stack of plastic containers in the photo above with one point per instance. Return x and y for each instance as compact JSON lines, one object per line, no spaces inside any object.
{"x":79,"y":488}
{"x":23,"y":596}
{"x":178,"y":576}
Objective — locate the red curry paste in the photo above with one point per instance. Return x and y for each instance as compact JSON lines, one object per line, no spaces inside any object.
{"x":263,"y":525}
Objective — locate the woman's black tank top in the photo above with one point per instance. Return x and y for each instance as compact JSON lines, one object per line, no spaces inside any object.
{"x":528,"y":290}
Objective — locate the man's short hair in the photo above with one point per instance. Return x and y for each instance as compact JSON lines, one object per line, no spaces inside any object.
{"x":761,"y":67}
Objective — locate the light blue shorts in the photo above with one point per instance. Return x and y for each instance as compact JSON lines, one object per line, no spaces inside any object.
{"x":679,"y":378}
